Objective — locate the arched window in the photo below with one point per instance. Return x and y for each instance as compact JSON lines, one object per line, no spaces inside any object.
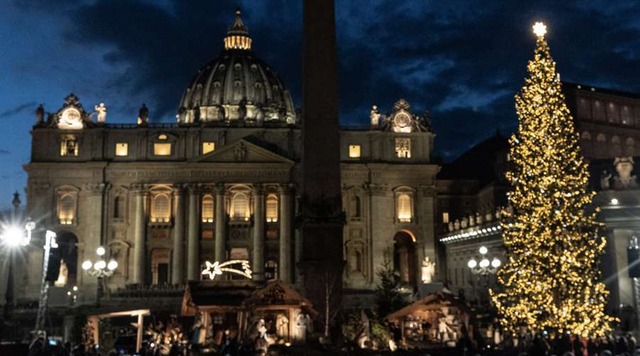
{"x":207,"y":208}
{"x":630,"y":147}
{"x":119,"y":207}
{"x":404,"y":257}
{"x":404,"y":207}
{"x":272,"y":208}
{"x":161,"y":208}
{"x":68,"y":267}
{"x":600,"y":149}
{"x":616,"y":149}
{"x":67,"y":208}
{"x":240,"y":207}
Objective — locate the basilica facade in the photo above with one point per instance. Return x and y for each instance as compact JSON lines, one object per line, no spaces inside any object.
{"x":223,"y":184}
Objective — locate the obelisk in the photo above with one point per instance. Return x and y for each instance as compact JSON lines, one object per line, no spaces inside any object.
{"x":322,"y":219}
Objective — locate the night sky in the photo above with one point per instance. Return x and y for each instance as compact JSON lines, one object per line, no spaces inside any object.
{"x":461,"y":60}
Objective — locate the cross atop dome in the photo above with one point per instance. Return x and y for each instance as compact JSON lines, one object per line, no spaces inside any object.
{"x":237,"y":35}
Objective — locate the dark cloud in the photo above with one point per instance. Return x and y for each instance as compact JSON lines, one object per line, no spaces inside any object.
{"x":18,"y":109}
{"x":462,"y":60}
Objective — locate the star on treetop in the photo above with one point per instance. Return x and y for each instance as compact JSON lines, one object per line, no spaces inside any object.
{"x":539,"y":29}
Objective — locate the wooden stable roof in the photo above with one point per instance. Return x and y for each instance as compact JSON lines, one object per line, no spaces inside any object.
{"x":434,"y":301}
{"x":226,"y":296}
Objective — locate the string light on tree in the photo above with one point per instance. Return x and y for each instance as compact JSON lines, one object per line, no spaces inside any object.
{"x":551,"y":279}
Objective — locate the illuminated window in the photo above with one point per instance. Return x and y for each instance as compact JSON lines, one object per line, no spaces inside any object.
{"x":162,"y":137}
{"x":240,"y":207}
{"x":208,"y":147}
{"x":598,"y":111}
{"x":122,"y":149}
{"x":160,"y":208}
{"x":160,"y":266}
{"x":354,"y":151}
{"x":445,"y":217}
{"x":66,"y":208}
{"x":613,"y":114}
{"x":403,"y":147}
{"x":625,"y":115}
{"x":207,"y":208}
{"x":162,"y":149}
{"x":272,"y":208}
{"x":404,"y":207}
{"x":69,"y":146}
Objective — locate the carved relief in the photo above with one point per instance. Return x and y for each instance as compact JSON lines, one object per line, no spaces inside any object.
{"x":240,"y":152}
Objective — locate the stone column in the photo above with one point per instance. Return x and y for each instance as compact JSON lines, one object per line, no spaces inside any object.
{"x":139,"y":248}
{"x":193,"y":242}
{"x":285,"y":233}
{"x":221,"y":225}
{"x":258,"y":233}
{"x":177,"y":263}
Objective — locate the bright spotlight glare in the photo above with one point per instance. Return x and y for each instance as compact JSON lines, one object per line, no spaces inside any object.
{"x":100,"y":251}
{"x":13,"y":237}
{"x":472,"y":263}
{"x":495,"y":263}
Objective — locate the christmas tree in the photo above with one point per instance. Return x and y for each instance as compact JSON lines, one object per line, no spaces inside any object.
{"x":551,"y":280}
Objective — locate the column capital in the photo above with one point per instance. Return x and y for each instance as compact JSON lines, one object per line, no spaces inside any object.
{"x":428,"y":190}
{"x":178,"y":189}
{"x":376,"y":189}
{"x":138,"y":189}
{"x":95,"y":188}
{"x":219,"y":188}
{"x":258,"y":189}
{"x":194,"y":188}
{"x":286,"y":188}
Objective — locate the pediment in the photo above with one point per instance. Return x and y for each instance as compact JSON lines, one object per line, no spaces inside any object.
{"x":243,"y":151}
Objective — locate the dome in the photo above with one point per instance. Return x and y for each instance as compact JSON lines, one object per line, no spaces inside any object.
{"x":236,"y":87}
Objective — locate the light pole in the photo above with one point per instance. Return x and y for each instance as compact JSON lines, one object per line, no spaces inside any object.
{"x":484,"y":267}
{"x":100,"y":269}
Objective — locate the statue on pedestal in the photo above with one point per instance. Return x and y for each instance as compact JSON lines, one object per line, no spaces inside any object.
{"x":428,"y":270}
{"x":624,"y":179}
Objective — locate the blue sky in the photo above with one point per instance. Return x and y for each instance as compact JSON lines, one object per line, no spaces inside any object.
{"x":461,"y":60}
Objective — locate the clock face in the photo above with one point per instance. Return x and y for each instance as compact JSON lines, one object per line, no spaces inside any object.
{"x":402,"y":120}
{"x":70,"y":119}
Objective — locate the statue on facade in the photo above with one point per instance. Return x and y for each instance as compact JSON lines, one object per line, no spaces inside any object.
{"x":624,"y":179}
{"x":375,"y":116}
{"x":428,"y":270}
{"x":143,"y":115}
{"x":101,"y":110}
{"x":39,"y":114}
{"x":605,"y":180}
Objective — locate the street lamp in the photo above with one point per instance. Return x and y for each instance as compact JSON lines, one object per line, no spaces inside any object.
{"x":484,"y":267}
{"x":100,"y":269}
{"x":13,"y":238}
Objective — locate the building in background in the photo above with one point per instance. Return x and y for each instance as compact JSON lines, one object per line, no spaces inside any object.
{"x":472,"y":190}
{"x":223,"y":183}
